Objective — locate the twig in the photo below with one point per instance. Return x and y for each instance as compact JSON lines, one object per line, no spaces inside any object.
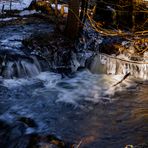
{"x":128,"y":74}
{"x":79,"y":144}
{"x":124,"y":60}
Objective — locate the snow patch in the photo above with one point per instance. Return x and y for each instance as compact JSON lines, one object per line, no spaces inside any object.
{"x":59,"y":7}
{"x":27,"y":12}
{"x":8,"y":19}
{"x":16,"y":5}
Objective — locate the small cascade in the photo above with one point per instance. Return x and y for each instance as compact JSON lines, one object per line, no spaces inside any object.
{"x":104,"y":63}
{"x":15,"y":4}
{"x":21,"y":67}
{"x":30,"y":69}
{"x":9,"y":71}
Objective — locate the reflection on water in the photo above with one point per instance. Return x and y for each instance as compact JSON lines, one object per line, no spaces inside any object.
{"x":84,"y":107}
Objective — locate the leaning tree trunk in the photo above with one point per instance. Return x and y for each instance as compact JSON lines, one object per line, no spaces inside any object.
{"x":73,"y":20}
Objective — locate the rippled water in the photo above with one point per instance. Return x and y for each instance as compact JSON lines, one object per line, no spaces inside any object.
{"x":83,"y":107}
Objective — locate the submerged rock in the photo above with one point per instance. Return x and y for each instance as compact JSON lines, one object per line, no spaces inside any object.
{"x":13,"y":135}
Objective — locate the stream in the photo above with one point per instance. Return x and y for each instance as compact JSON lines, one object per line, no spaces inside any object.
{"x":84,"y":106}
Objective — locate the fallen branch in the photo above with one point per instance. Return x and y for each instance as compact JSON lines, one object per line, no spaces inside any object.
{"x":123,"y":60}
{"x":126,"y":76}
{"x":79,"y":144}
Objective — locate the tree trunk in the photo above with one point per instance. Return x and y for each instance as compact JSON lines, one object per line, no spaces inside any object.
{"x":84,"y":5}
{"x":56,"y":7}
{"x":73,"y":20}
{"x":82,"y":9}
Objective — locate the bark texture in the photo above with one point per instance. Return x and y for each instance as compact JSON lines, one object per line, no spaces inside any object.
{"x":73,"y":20}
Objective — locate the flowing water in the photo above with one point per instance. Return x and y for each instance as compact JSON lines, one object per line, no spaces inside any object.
{"x":83,"y":107}
{"x":86,"y":106}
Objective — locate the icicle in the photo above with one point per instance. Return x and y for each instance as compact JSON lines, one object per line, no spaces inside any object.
{"x":120,"y":65}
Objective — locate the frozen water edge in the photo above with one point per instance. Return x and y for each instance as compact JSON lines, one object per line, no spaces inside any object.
{"x":119,"y":65}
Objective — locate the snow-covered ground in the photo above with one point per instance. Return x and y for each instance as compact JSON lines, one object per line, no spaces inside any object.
{"x":16,"y":4}
{"x":21,"y":4}
{"x":8,"y":19}
{"x":27,"y":12}
{"x":59,"y":7}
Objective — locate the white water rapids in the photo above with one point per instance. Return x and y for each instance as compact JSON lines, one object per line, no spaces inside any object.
{"x":83,"y":86}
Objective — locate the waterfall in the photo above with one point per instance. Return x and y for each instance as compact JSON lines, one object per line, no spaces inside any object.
{"x":30,"y":69}
{"x":21,"y":67}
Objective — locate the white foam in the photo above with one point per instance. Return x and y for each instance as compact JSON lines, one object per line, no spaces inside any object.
{"x":89,"y":87}
{"x":12,"y":83}
{"x":50,"y":79}
{"x":83,"y":87}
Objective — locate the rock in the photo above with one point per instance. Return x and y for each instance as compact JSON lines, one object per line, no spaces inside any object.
{"x":57,"y":50}
{"x":28,"y":121}
{"x":4,"y":128}
{"x":13,"y":135}
{"x":16,"y":130}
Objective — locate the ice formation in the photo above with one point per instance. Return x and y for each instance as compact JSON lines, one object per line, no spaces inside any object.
{"x":118,"y":65}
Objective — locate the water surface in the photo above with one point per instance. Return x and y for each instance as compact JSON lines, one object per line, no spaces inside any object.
{"x":84,"y":107}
